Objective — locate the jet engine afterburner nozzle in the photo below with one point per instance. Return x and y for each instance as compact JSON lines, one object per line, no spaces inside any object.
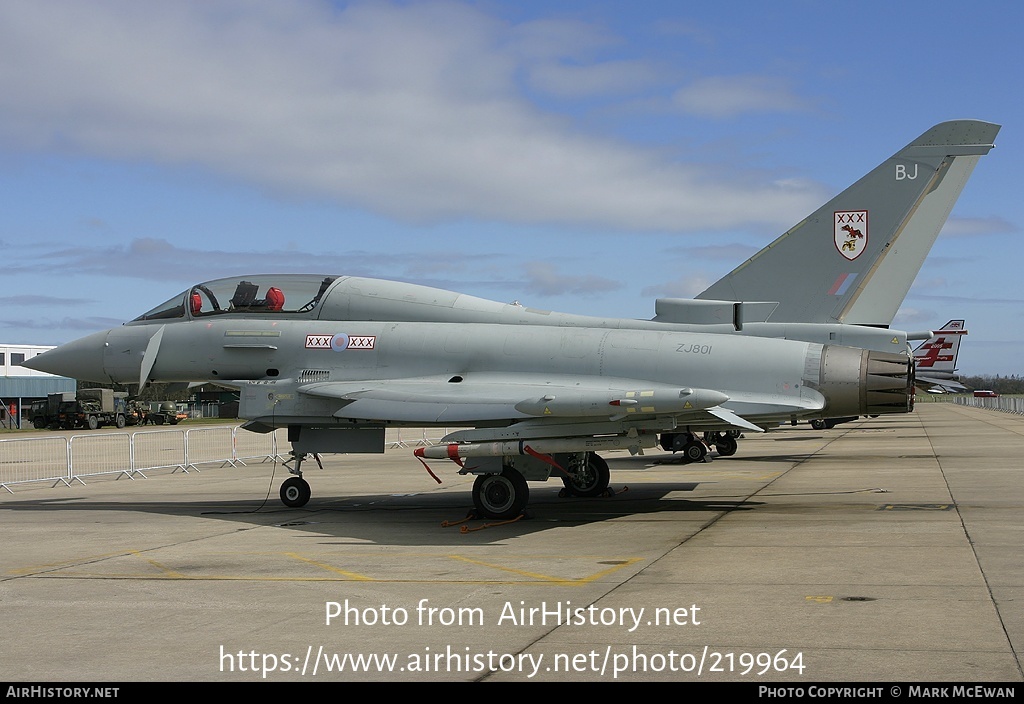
{"x":859,"y":382}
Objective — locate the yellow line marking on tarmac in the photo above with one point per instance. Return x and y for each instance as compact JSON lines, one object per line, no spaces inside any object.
{"x":91,"y":559}
{"x":549,"y":578}
{"x":352,"y":575}
{"x":702,"y":477}
{"x":242,"y":578}
{"x":167,"y":573}
{"x":64,"y":563}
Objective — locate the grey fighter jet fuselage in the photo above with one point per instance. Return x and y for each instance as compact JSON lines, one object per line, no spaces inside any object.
{"x":336,"y":360}
{"x":799,"y":331}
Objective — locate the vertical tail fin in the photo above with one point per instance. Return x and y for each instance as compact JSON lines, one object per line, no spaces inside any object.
{"x":935,"y":358}
{"x":854,"y":259}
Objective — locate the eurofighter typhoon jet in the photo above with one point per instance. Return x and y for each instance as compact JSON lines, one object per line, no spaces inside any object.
{"x":337,"y":359}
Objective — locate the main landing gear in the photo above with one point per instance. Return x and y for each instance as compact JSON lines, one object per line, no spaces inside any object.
{"x":692,"y":448}
{"x":501,"y":496}
{"x":724,"y":442}
{"x":829,"y":423}
{"x":504,"y":495}
{"x":696,"y":449}
{"x":587,"y":478}
{"x":295,"y":491}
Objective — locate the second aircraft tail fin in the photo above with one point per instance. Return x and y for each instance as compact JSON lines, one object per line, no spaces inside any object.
{"x":855,"y":258}
{"x":935,"y":358}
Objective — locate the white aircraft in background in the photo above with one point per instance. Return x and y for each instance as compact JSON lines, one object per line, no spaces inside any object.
{"x":935,"y":359}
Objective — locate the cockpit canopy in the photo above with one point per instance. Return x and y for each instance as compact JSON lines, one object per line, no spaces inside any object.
{"x":276,"y":294}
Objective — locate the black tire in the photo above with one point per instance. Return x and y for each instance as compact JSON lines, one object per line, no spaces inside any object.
{"x":39,"y":424}
{"x":726,"y":445}
{"x":594,"y":479}
{"x":694,"y":451}
{"x":295,"y":492}
{"x":92,"y":422}
{"x":121,"y":421}
{"x":818,"y":424}
{"x":500,"y":496}
{"x":159,"y":420}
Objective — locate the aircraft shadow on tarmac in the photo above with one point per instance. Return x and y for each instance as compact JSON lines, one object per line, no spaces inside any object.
{"x":677,"y":461}
{"x":415,"y":518}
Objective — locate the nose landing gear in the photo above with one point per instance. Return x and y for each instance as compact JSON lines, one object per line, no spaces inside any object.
{"x":295,"y":491}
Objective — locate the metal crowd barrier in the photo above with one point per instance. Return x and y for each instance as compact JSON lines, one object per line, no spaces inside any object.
{"x":1007,"y":404}
{"x":66,"y":459}
{"x":397,"y":441}
{"x":63,"y":459}
{"x":35,"y":460}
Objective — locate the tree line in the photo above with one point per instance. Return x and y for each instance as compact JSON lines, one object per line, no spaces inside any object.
{"x":1012,"y":384}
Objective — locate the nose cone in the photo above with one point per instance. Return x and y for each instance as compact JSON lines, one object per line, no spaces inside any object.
{"x":81,"y":359}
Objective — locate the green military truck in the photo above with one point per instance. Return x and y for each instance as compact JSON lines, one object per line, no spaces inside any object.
{"x":94,"y":408}
{"x":160,"y":412}
{"x":46,"y":413}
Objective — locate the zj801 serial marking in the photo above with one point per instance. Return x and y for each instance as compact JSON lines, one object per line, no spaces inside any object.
{"x":694,"y":349}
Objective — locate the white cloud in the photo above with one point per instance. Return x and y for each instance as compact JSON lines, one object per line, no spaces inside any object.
{"x":685,"y":287}
{"x":28,"y":300}
{"x":906,"y":318}
{"x":934,"y":284}
{"x":575,"y":81}
{"x":552,"y":39}
{"x":157,"y":260}
{"x":412,"y":111}
{"x":726,"y":96}
{"x":734,"y":252}
{"x":544,"y":280}
{"x":973,"y":227}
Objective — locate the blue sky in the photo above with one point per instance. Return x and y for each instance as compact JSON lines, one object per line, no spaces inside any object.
{"x":586,"y":157}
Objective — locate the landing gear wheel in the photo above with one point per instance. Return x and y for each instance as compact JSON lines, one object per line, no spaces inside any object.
{"x":726,"y":445}
{"x":818,"y":424}
{"x":295,"y":492}
{"x":591,"y":480}
{"x":500,"y":496}
{"x":695,"y":451}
